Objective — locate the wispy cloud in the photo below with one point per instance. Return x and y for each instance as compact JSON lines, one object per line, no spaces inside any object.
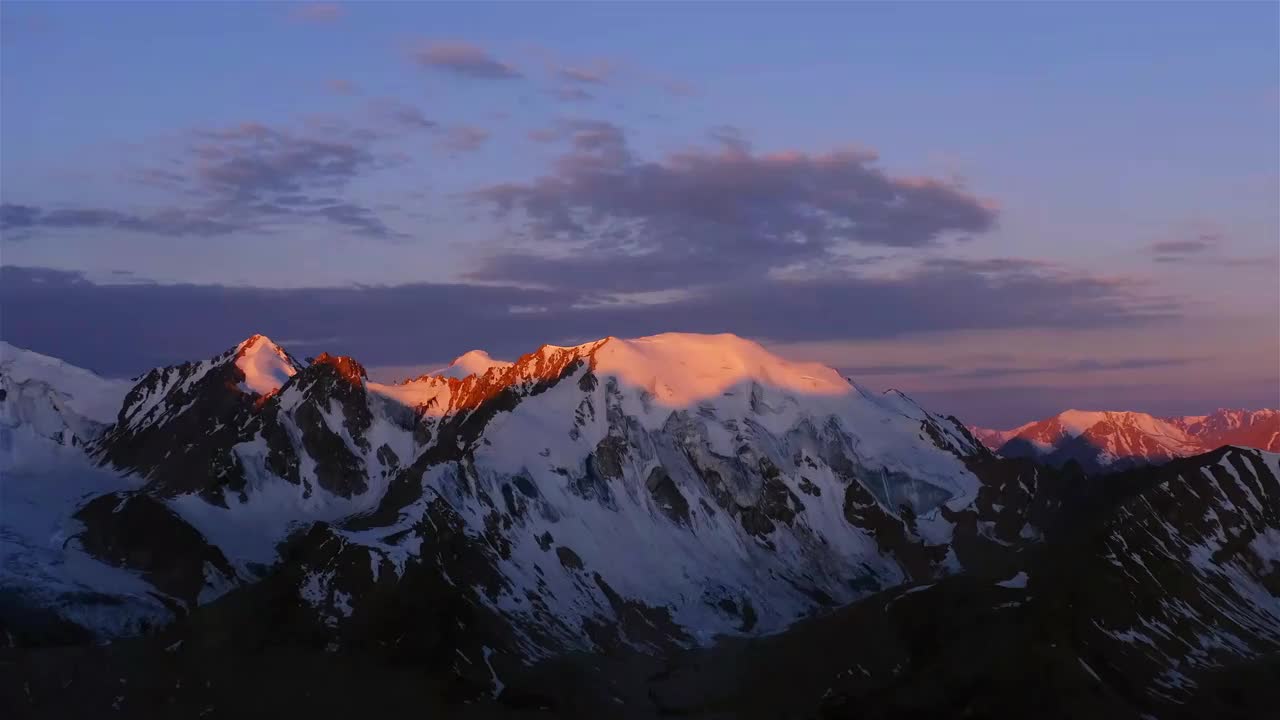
{"x":858,"y":371}
{"x":173,"y":222}
{"x":340,"y":86}
{"x":234,"y":179}
{"x":1080,"y":366}
{"x":465,"y":138}
{"x":464,"y":59}
{"x":1205,"y":250}
{"x":571,"y":93}
{"x":594,"y":73}
{"x":402,"y":114}
{"x":316,"y":12}
{"x":1183,"y":250}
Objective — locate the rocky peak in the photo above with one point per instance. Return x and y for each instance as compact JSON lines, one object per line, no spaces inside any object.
{"x":345,"y":367}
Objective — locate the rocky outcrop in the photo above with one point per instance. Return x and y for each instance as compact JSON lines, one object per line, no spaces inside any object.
{"x":136,"y":531}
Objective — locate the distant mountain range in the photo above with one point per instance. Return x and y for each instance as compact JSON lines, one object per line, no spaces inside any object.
{"x":1116,"y":440}
{"x":672,"y":525}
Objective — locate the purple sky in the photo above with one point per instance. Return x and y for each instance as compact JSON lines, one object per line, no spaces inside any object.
{"x":1004,"y":210}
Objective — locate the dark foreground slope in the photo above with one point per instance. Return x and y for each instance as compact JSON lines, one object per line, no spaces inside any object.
{"x":1160,"y":600}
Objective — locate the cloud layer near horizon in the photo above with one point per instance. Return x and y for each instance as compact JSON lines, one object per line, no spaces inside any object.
{"x":122,"y":329}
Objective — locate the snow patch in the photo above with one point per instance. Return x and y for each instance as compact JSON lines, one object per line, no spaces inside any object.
{"x":1017,"y":581}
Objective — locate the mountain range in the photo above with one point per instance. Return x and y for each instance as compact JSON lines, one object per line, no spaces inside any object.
{"x":677,"y":524}
{"x":1115,"y":440}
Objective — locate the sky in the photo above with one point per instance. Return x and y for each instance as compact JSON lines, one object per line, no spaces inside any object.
{"x":1004,"y":210}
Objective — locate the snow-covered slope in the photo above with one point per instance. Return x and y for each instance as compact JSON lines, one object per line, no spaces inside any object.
{"x":1115,"y":440}
{"x":49,"y":410}
{"x":46,"y":403}
{"x":655,"y":490}
{"x":474,"y":362}
{"x":706,"y":463}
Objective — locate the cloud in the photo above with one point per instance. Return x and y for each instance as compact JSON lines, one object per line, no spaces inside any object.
{"x":1186,"y":247}
{"x":596,"y":73}
{"x":679,"y":88}
{"x":1205,"y":250}
{"x":172,"y":222}
{"x":571,"y":93}
{"x":402,"y":114}
{"x":317,"y":12}
{"x":572,"y":81}
{"x":1081,"y":366}
{"x":604,"y":218}
{"x":340,"y":86}
{"x":1182,"y":250}
{"x":858,"y":371}
{"x":150,"y":324}
{"x":244,"y":177}
{"x":465,"y":138}
{"x":254,"y":162}
{"x":464,"y":59}
{"x":1010,"y":406}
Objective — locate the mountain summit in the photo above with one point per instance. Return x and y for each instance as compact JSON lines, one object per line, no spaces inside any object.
{"x":265,"y":365}
{"x":1115,"y":439}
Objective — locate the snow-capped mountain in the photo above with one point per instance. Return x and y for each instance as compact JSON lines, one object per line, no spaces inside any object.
{"x":1247,"y":428}
{"x":596,"y":485}
{"x":614,"y":472}
{"x":650,"y":496}
{"x":1114,"y":440}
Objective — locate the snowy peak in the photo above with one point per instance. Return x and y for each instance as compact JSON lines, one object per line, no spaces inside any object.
{"x":1113,"y":439}
{"x":345,"y":367}
{"x":1075,"y":423}
{"x":1248,"y":428}
{"x":673,"y":370}
{"x":265,"y":365}
{"x":680,"y":369}
{"x":473,"y":362}
{"x":994,"y":439}
{"x":254,"y":368}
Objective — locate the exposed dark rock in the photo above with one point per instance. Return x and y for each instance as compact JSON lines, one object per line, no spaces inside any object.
{"x":667,"y":496}
{"x":139,"y":532}
{"x":645,"y":625}
{"x":569,"y":558}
